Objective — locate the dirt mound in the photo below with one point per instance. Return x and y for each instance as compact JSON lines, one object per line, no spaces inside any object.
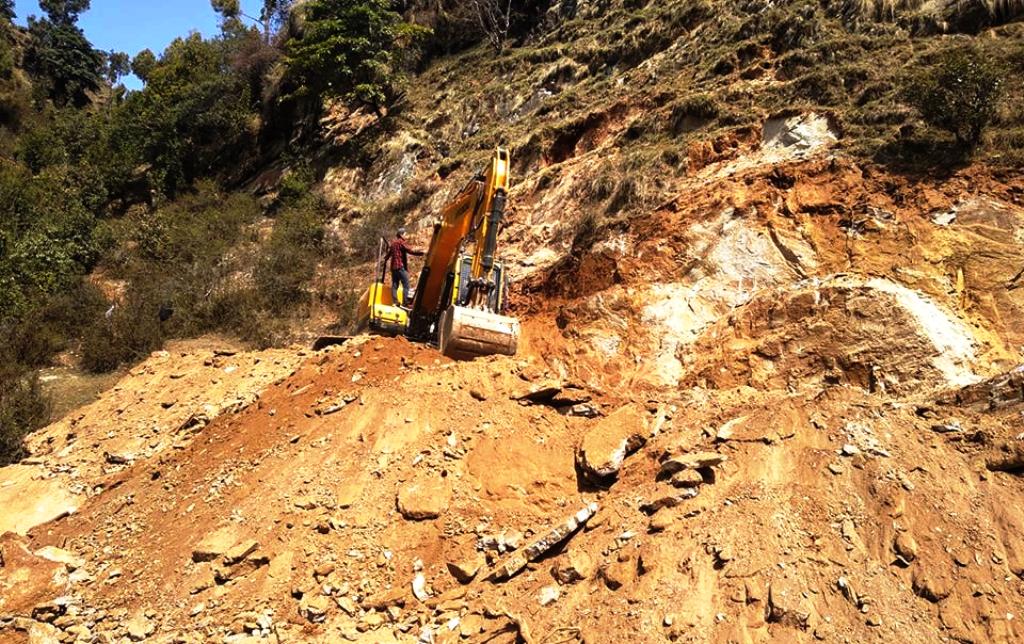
{"x":784,"y":406}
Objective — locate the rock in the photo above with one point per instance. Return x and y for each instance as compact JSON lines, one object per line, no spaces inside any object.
{"x":51,"y":553}
{"x":616,"y":574}
{"x":38,"y":633}
{"x":849,"y":450}
{"x":668,"y":501}
{"x":905,"y":546}
{"x":930,"y":586}
{"x":539,"y":393}
{"x":786,"y":605}
{"x":224,"y":574}
{"x":471,"y":626}
{"x":371,"y":622}
{"x":215,"y":545}
{"x":584,"y":410}
{"x":516,"y":562}
{"x":604,"y":448}
{"x":466,"y":570}
{"x":691,"y":461}
{"x":419,"y":587}
{"x":239,"y":552}
{"x":426,"y":498}
{"x":575,"y":566}
{"x":27,"y":580}
{"x":549,"y":595}
{"x":659,"y":522}
{"x":139,"y":628}
{"x":835,"y":468}
{"x":314,"y":608}
{"x":687,"y":478}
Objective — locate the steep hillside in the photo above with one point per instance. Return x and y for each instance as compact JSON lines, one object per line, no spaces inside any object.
{"x":769,"y":388}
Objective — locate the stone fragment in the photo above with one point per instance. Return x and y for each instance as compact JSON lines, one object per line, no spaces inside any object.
{"x":57,"y":555}
{"x":616,"y":574}
{"x":549,"y":595}
{"x":419,"y":587}
{"x":786,"y":605}
{"x":471,"y":626}
{"x":604,"y":448}
{"x":466,"y":570}
{"x":687,"y":478}
{"x":691,"y":461}
{"x":905,"y":546}
{"x":668,"y":500}
{"x":214,"y":545}
{"x":931,"y":586}
{"x":239,"y":552}
{"x":423,"y":499}
{"x":314,"y":608}
{"x":575,"y":566}
{"x":139,"y":627}
{"x":519,"y":560}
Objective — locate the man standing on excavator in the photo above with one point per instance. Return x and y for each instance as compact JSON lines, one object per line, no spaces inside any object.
{"x":398,"y":255}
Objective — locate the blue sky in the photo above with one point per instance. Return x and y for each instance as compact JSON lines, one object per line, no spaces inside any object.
{"x":133,"y":25}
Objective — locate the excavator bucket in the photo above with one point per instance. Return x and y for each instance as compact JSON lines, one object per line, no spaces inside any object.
{"x":467,"y":333}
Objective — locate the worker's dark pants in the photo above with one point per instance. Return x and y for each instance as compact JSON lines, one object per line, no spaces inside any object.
{"x":400,"y":276}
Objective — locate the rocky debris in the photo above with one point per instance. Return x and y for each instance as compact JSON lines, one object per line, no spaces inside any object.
{"x":905,"y":546}
{"x":549,"y":595}
{"x":930,"y":585}
{"x":425,"y":498}
{"x":248,"y":563}
{"x":787,"y":605}
{"x":240,"y":552}
{"x":1006,"y":456}
{"x":687,"y":478}
{"x":314,"y":608}
{"x":516,"y":562}
{"x":57,"y":555}
{"x":467,"y":569}
{"x":215,"y":545}
{"x":669,"y":500}
{"x":993,"y":394}
{"x":576,"y":565}
{"x":605,"y":447}
{"x":560,"y":395}
{"x":692,"y":461}
{"x":27,"y":581}
{"x":139,"y":627}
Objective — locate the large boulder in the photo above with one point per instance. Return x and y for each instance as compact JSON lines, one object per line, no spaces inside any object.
{"x":605,"y":447}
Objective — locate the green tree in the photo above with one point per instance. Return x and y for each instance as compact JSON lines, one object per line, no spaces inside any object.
{"x":143,"y":64}
{"x":64,"y":12}
{"x":118,"y":65}
{"x":61,"y":55}
{"x":353,"y":49}
{"x":959,"y":93}
{"x":7,"y":10}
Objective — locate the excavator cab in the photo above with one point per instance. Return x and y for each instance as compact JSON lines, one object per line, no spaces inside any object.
{"x":377,"y":312}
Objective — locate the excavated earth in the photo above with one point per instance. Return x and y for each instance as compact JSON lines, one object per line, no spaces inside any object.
{"x":786,"y":405}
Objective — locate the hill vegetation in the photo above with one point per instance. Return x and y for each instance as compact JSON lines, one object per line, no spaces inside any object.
{"x":193,"y":204}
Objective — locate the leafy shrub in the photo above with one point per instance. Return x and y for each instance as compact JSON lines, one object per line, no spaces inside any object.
{"x":959,"y":93}
{"x":23,"y":408}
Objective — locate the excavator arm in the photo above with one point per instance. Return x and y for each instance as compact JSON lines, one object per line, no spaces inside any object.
{"x":462,"y":309}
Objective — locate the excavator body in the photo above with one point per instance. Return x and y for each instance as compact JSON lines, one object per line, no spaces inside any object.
{"x":461,"y":296}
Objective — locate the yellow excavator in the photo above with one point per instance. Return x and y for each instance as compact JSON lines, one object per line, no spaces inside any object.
{"x":461,"y":297}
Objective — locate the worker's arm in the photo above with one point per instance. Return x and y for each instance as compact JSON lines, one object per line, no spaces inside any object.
{"x":412,"y":251}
